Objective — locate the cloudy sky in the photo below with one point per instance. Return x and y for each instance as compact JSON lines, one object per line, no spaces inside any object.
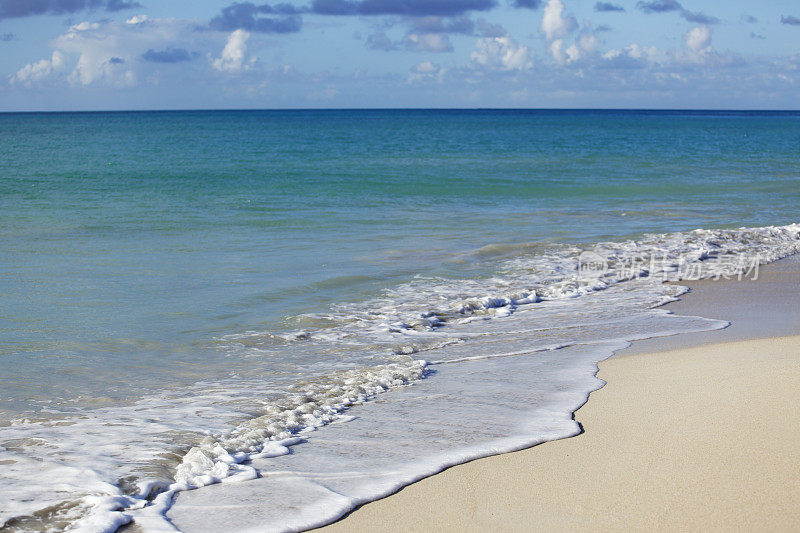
{"x":143,"y":54}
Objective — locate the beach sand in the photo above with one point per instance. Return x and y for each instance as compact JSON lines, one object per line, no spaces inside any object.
{"x":692,"y":432}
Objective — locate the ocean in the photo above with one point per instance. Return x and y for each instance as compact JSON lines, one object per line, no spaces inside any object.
{"x":333,"y":304}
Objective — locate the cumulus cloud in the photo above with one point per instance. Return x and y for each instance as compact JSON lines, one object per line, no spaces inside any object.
{"x":102,"y":50}
{"x":170,"y":55}
{"x":92,"y":65}
{"x":554,"y":24}
{"x":559,"y":27}
{"x":790,"y":20}
{"x":698,"y":39}
{"x":115,"y":54}
{"x":608,"y":7}
{"x":40,"y":70}
{"x":26,"y":8}
{"x":633,"y":56}
{"x":426,"y":71}
{"x":586,"y":46}
{"x":247,"y":16}
{"x":697,"y":56}
{"x":556,"y":27}
{"x":91,"y":69}
{"x":413,"y":8}
{"x":501,"y":53}
{"x":698,"y":52}
{"x":138,"y":19}
{"x":234,"y":56}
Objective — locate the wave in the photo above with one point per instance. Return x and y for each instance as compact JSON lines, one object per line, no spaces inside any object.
{"x":567,"y":305}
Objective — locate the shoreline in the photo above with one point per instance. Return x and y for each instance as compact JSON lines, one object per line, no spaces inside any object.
{"x":693,"y":430}
{"x":761,"y":308}
{"x":697,"y":455}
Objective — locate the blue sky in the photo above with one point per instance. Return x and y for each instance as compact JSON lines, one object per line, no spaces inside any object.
{"x":141,"y":54}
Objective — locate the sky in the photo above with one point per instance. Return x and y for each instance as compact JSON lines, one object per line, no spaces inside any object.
{"x":204,"y":54}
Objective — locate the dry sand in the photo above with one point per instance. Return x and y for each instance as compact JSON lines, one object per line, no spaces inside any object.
{"x":694,"y":439}
{"x":699,"y":438}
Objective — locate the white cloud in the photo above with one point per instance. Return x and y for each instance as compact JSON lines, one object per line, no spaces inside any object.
{"x":573,"y":54}
{"x":555,"y":25}
{"x":636,"y":56}
{"x":40,"y":70}
{"x":137,"y":19}
{"x":698,"y":39}
{"x":556,"y":49}
{"x":699,"y":52}
{"x":501,"y":53}
{"x":94,"y":67}
{"x":426,"y":71}
{"x":426,"y":67}
{"x":103,"y":54}
{"x":588,"y":42}
{"x":584,"y":48}
{"x":84,"y":26}
{"x":556,"y":28}
{"x":108,"y":52}
{"x":234,"y":55}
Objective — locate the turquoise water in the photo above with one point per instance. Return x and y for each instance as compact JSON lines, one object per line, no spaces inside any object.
{"x":133,"y":239}
{"x":135,"y":246}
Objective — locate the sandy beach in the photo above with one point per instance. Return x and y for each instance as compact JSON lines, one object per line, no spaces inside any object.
{"x":692,"y":432}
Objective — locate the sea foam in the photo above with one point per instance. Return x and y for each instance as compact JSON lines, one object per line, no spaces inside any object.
{"x":507,"y":359}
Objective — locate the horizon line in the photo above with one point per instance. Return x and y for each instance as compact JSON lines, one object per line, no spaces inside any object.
{"x":290,"y":109}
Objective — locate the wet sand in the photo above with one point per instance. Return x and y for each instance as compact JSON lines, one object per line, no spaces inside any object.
{"x":692,"y":432}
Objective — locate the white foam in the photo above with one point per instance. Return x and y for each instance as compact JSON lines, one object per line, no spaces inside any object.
{"x":314,"y":404}
{"x":540,"y":319}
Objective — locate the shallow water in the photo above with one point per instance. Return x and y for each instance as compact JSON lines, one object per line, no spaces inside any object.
{"x":182,"y":291}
